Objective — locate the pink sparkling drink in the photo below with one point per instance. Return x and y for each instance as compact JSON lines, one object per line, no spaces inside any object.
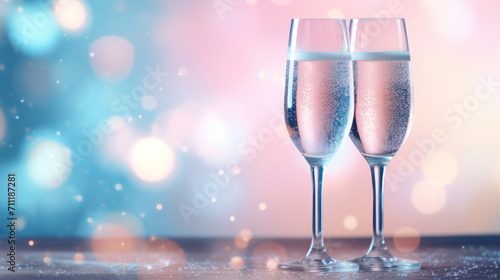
{"x":383,"y":96}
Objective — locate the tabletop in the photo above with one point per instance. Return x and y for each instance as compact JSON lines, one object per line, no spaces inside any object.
{"x":446,"y":257}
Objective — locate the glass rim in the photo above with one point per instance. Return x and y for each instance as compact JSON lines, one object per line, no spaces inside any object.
{"x":325,"y":19}
{"x":374,"y":19}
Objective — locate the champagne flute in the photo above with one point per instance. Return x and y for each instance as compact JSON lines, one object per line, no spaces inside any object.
{"x":382,"y":117}
{"x":319,"y":104}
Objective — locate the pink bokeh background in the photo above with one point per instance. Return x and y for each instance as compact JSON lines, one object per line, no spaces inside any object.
{"x":216,"y":124}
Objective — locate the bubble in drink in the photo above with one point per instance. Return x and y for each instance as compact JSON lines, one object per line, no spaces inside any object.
{"x":383,"y":97}
{"x":319,"y":102}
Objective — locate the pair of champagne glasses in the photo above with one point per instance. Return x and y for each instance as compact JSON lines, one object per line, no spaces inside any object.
{"x":359,"y":85}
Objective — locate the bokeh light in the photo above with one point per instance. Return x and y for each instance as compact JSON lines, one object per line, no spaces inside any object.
{"x":440,"y":167}
{"x":152,"y":159}
{"x":427,"y":197}
{"x":79,"y":258}
{"x":116,"y":238}
{"x":204,"y":131}
{"x":148,"y":102}
{"x":262,"y":206}
{"x":452,"y":20}
{"x":21,"y":223}
{"x":49,"y":164}
{"x":268,"y":255}
{"x":243,"y":238}
{"x":71,"y":14}
{"x":406,"y":239}
{"x":32,"y":30}
{"x":335,"y":13}
{"x":112,"y":57}
{"x":350,"y":222}
{"x":163,"y":252}
{"x":182,"y":71}
{"x":237,"y":262}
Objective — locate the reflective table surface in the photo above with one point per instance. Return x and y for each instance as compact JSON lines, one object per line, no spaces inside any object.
{"x":454,"y":257}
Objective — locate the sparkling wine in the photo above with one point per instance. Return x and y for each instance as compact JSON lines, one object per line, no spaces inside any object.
{"x":383,"y":97}
{"x":318,"y":102}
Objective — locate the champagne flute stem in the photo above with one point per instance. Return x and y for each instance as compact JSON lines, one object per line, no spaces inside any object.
{"x":317,"y":244}
{"x":378,"y":173}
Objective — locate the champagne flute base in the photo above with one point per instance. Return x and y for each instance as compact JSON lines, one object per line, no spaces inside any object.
{"x":310,"y":264}
{"x":385,"y":264}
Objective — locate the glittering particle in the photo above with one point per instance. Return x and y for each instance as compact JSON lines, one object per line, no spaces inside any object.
{"x":20,"y":9}
{"x":232,"y":218}
{"x":122,"y":244}
{"x":91,"y":54}
{"x":142,"y":215}
{"x":123,"y":213}
{"x":46,"y":260}
{"x":78,"y":258}
{"x":31,"y":243}
{"x":58,"y":133}
{"x":221,"y":172}
{"x":213,"y":199}
{"x":2,"y":67}
{"x":140,"y":116}
{"x":350,"y":222}
{"x":22,"y":100}
{"x":79,"y":198}
{"x":262,"y":206}
{"x":118,"y":187}
{"x":89,"y":220}
{"x":57,"y":82}
{"x":159,"y":206}
{"x":16,"y":117}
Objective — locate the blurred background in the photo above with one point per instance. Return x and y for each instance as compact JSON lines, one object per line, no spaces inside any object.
{"x":164,"y":118}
